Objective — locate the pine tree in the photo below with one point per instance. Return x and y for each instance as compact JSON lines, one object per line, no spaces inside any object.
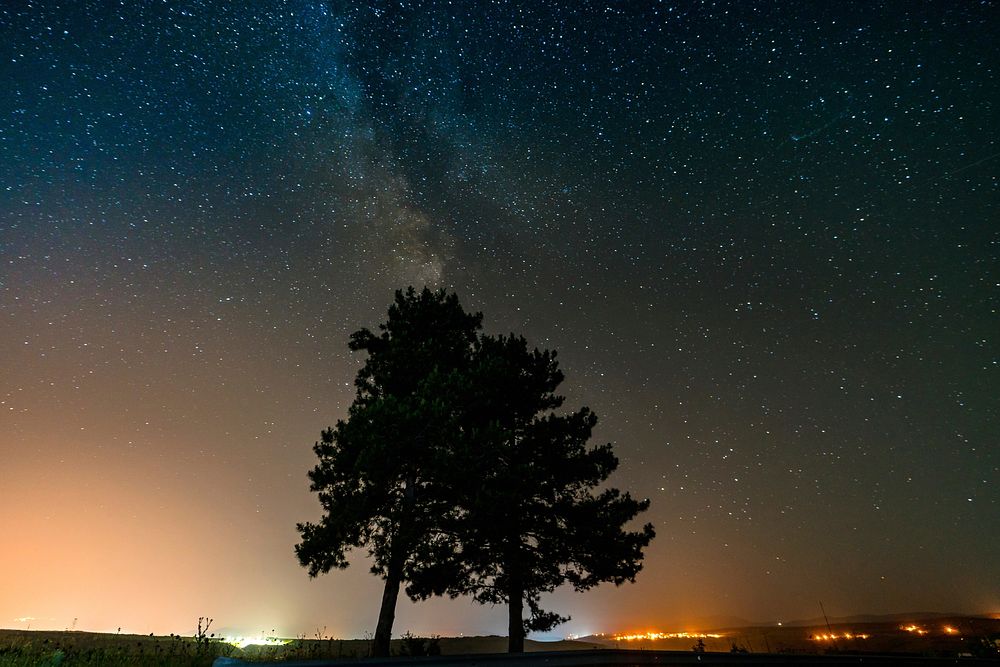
{"x":529,"y":518}
{"x":376,"y":476}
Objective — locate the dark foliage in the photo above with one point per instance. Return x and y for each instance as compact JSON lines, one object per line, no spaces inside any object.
{"x":456,"y":474}
{"x":375,"y":476}
{"x":530,"y":519}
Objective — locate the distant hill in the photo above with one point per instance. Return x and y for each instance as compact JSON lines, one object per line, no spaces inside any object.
{"x":498,"y":644}
{"x":923,"y":633}
{"x":874,"y":618}
{"x":735,"y":624}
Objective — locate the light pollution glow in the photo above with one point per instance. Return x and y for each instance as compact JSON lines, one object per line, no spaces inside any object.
{"x":653,"y":635}
{"x":911,"y":628}
{"x":243,"y":642}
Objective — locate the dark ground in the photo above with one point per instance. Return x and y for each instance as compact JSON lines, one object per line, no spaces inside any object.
{"x":943,"y":640}
{"x":621,"y":657}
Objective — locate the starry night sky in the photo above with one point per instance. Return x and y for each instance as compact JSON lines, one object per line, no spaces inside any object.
{"x":763,"y":237}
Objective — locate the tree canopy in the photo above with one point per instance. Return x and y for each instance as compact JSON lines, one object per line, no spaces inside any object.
{"x":530,"y":519}
{"x":456,"y":473}
{"x":375,"y":476}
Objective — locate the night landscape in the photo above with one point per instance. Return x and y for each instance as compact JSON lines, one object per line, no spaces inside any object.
{"x":499,"y":332}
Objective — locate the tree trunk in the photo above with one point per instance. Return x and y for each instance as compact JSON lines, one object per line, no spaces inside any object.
{"x":394,"y":575}
{"x":387,"y":613}
{"x":515,"y":626}
{"x":515,"y":607}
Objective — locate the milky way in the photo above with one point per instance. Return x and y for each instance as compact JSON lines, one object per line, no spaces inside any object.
{"x":762,"y":236}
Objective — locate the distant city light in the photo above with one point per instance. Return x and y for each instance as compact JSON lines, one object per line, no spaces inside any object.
{"x":243,"y":642}
{"x":653,"y":635}
{"x":834,"y":636}
{"x":916,"y":629}
{"x":948,"y":630}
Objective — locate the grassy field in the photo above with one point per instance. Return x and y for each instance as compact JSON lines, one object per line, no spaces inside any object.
{"x":36,"y":648}
{"x":20,"y":648}
{"x":940,"y":637}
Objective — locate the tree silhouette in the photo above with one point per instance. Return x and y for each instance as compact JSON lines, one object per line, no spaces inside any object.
{"x":528,"y":518}
{"x":376,"y":477}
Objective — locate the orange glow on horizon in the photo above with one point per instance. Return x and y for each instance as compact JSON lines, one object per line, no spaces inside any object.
{"x":654,"y":635}
{"x":835,"y":636}
{"x":914,"y":629}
